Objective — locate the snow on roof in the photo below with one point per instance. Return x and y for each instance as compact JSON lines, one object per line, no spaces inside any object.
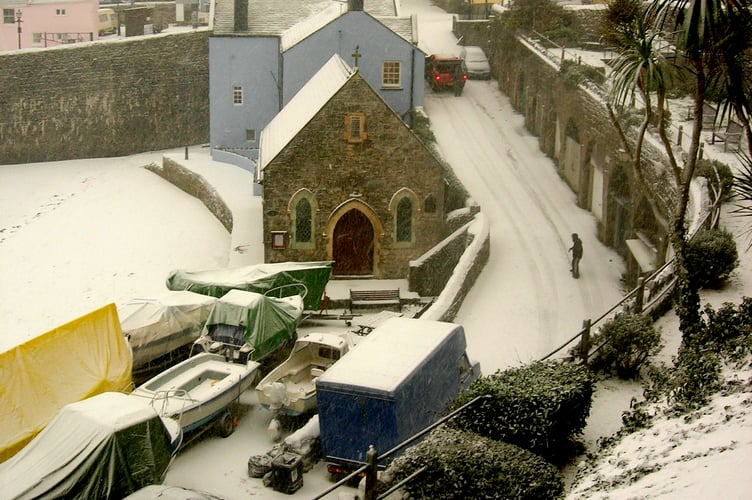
{"x":310,"y":25}
{"x":302,"y":108}
{"x":389,"y":353}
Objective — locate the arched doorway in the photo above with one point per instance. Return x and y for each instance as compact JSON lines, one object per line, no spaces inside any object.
{"x":353,"y":245}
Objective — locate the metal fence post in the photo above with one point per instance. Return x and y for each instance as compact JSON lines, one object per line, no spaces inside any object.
{"x":679,"y":138}
{"x":585,"y":341}
{"x":372,"y":459}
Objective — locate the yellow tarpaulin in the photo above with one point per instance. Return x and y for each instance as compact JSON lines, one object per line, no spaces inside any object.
{"x":75,"y":361}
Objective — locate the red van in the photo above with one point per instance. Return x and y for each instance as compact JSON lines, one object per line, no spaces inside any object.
{"x":446,"y":72}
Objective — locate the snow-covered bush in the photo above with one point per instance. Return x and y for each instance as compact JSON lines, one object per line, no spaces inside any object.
{"x":711,"y":257}
{"x":626,"y":343}
{"x":461,"y":464}
{"x":718,"y":174}
{"x":540,"y":407}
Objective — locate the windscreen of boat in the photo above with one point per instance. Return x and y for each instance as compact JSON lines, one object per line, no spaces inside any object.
{"x":227,"y":334}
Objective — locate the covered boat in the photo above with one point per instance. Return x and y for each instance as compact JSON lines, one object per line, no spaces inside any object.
{"x":199,"y":390}
{"x":269,"y":279}
{"x":103,"y":447}
{"x":290,"y":387}
{"x":161,"y":330}
{"x":247,"y":325}
{"x":74,"y":361}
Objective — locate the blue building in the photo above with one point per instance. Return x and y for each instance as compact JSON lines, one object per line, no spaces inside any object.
{"x":263,"y":52}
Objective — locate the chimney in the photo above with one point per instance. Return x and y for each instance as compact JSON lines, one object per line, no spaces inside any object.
{"x":240,"y":17}
{"x":355,"y":5}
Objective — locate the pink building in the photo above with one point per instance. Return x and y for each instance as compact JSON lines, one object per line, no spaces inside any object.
{"x":30,"y":24}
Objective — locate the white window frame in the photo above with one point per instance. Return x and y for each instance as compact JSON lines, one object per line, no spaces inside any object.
{"x":9,"y":16}
{"x":388,"y":80}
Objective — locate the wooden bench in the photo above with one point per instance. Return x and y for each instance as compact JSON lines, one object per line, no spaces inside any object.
{"x":732,"y":136}
{"x":367,"y":298}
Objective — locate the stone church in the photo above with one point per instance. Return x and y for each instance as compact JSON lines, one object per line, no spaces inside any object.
{"x":344,"y":179}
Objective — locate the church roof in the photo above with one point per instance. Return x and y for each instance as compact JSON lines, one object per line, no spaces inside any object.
{"x":302,"y":108}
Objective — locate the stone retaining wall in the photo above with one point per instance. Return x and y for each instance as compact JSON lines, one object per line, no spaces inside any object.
{"x":106,"y":98}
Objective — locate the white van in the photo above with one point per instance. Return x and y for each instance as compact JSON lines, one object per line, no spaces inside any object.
{"x":108,"y":21}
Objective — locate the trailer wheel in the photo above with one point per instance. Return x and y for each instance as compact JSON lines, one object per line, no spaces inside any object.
{"x":226,"y":424}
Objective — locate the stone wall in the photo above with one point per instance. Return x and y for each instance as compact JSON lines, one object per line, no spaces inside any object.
{"x":196,"y":186}
{"x":430,"y":273}
{"x":104,"y":99}
{"x":465,"y":272}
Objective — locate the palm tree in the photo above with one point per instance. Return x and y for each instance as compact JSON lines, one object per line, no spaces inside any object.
{"x":734,"y":82}
{"x":641,"y":67}
{"x":700,"y":27}
{"x":743,"y":193}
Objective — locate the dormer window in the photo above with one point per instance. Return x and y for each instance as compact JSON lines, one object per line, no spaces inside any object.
{"x":355,"y":127}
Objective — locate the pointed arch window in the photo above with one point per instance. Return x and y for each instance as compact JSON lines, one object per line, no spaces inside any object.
{"x":404,"y":221}
{"x":303,"y":220}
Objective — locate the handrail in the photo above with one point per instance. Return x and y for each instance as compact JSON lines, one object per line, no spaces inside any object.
{"x":657,"y":295}
{"x":399,"y":446}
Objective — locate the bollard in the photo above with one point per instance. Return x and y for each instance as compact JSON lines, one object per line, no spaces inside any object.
{"x":186,"y":152}
{"x":679,"y":137}
{"x":371,"y":458}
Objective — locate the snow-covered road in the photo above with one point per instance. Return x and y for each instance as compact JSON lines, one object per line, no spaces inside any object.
{"x":536,"y":303}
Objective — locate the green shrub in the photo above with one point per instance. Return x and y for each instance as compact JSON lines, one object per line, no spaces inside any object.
{"x":563,"y":35}
{"x":627,"y":341}
{"x":728,"y":331}
{"x":725,"y":336}
{"x":461,"y":464}
{"x":540,"y":407}
{"x":571,"y":73}
{"x":711,"y":257}
{"x":708,"y":168}
{"x":421,"y":126}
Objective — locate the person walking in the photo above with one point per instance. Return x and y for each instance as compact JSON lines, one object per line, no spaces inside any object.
{"x":576,"y":250}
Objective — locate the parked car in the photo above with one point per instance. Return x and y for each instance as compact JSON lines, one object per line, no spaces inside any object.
{"x":446,"y":72}
{"x":476,"y":62}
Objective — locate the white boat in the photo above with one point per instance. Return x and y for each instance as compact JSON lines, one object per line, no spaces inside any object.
{"x":199,"y":390}
{"x":291,"y":387}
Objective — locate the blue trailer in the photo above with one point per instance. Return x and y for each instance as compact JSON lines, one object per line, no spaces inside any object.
{"x":397,"y":381}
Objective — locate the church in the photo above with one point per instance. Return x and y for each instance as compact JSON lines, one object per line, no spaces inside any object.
{"x":345,"y":179}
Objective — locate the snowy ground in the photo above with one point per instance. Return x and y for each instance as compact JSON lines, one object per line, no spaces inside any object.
{"x":79,"y":234}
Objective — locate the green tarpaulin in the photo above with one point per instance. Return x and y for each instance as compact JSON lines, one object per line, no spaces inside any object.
{"x":281,"y":279}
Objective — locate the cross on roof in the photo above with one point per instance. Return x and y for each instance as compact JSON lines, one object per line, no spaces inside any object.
{"x":356,"y":55}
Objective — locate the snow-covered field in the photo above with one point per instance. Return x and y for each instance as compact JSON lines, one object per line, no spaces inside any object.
{"x":76,"y":235}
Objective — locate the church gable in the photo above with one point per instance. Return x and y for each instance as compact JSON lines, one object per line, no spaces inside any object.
{"x":378,"y":192}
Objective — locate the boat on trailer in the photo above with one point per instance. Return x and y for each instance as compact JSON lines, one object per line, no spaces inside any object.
{"x":290,"y":388}
{"x":199,"y":391}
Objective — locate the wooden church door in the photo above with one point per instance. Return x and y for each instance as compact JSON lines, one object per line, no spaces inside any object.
{"x":352,"y":248}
